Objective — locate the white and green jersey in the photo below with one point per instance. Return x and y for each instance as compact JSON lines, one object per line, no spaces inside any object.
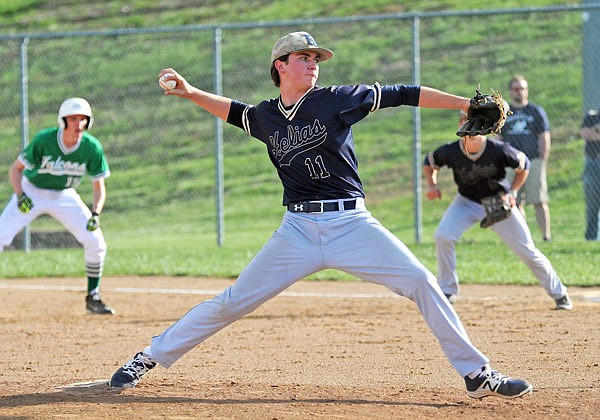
{"x":49,"y":164}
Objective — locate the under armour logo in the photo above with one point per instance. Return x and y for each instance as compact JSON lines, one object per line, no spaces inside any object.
{"x":298,"y":207}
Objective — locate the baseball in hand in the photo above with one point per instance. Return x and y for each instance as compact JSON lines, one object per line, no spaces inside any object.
{"x":167,"y":84}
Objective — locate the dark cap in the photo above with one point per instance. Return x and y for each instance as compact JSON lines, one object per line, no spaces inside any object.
{"x":591,"y":118}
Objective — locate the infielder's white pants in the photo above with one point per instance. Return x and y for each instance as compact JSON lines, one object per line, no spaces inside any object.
{"x":352,"y":241}
{"x":464,"y":213}
{"x":66,"y":207}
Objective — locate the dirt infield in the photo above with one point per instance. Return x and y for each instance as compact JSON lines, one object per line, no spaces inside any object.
{"x":322,"y":350}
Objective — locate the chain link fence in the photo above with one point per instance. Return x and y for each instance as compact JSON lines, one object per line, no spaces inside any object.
{"x":162,"y":150}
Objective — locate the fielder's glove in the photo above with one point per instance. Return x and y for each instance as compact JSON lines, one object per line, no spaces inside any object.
{"x":487,"y":114}
{"x":94,"y":222}
{"x":497,"y":208}
{"x":24,"y":203}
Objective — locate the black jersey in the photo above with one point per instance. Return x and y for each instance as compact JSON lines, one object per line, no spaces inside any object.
{"x":479,"y":175}
{"x":311,"y":143}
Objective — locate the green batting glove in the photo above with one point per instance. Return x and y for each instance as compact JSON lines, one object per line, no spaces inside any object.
{"x":94,"y":222}
{"x":24,"y":203}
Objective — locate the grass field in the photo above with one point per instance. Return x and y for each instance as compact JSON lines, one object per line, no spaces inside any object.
{"x":142,"y":223}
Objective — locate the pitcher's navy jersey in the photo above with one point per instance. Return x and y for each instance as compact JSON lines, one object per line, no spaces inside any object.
{"x":311,"y":143}
{"x":480,"y":175}
{"x":523,"y":128}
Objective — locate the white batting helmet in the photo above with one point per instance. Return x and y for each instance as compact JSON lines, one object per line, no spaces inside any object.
{"x":75,"y":106}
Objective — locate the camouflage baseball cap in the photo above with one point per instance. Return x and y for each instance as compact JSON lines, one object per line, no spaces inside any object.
{"x":298,"y":41}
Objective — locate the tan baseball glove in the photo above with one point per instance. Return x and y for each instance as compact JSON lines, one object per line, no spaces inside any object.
{"x":487,"y":114}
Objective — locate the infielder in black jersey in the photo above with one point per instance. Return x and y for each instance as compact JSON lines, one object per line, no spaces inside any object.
{"x":307,"y":132}
{"x":479,"y":167}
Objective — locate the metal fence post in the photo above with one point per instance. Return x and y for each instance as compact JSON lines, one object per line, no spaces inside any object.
{"x":591,"y":58}
{"x":220,"y":191}
{"x":418,"y":181}
{"x":25,"y":120}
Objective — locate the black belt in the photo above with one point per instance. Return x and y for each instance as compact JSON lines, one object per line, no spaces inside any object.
{"x":320,"y":206}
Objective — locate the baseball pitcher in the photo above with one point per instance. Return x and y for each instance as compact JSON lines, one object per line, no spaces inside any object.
{"x":307,"y":133}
